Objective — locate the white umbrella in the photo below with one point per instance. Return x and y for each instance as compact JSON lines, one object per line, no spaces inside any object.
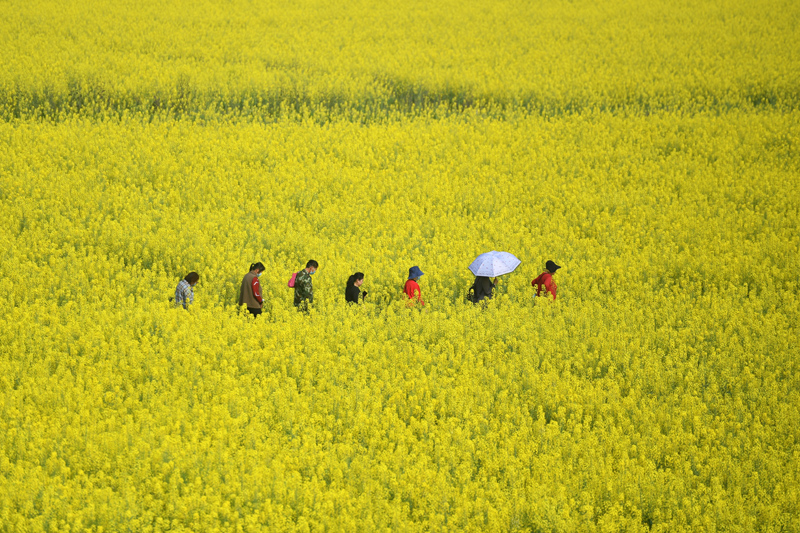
{"x":493,"y":264}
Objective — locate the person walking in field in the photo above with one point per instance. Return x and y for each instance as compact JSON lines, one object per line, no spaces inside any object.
{"x":303,"y":287}
{"x":250,"y":291}
{"x":411,"y":288}
{"x":482,"y":289}
{"x":184,"y":292}
{"x":544,"y":282}
{"x":353,"y":289}
{"x":488,"y":265}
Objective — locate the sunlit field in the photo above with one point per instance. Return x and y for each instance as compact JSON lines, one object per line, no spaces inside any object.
{"x":651,"y":151}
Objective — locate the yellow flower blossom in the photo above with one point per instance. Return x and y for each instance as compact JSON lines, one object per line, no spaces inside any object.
{"x":650,"y":150}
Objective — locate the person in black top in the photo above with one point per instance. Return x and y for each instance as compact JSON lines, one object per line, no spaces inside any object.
{"x":482,"y":288}
{"x":352,"y":291}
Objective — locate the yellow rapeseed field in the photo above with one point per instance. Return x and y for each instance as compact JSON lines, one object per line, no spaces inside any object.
{"x":651,"y":149}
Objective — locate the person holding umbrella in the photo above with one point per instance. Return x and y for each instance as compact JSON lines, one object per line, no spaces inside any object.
{"x":411,"y":288}
{"x":482,"y":288}
{"x":490,"y":264}
{"x":545,"y":280}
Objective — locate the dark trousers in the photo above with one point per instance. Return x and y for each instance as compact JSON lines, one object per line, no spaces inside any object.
{"x":255,"y":311}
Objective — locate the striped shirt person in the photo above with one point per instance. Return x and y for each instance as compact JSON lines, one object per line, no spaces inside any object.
{"x":184,"y":292}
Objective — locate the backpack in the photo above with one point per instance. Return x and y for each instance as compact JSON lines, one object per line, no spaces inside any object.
{"x":291,"y":280}
{"x":471,"y":295}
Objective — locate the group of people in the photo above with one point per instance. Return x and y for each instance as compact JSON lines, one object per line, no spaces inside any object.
{"x":251,"y":297}
{"x":483,"y":287}
{"x":250,"y":291}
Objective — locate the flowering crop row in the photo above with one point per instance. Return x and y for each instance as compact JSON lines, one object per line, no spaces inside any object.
{"x":651,"y":150}
{"x":317,"y":58}
{"x":659,"y":392}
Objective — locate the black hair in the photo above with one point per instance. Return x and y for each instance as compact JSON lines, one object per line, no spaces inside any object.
{"x":355,"y":277}
{"x":312,"y":264}
{"x":258,"y":266}
{"x":192,"y":277}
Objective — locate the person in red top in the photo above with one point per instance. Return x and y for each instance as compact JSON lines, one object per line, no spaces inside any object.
{"x":250,"y":291}
{"x":545,"y":280}
{"x":411,"y":288}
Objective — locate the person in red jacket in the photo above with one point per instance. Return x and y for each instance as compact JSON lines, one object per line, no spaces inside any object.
{"x":545,"y":280}
{"x":411,"y":288}
{"x":250,"y":291}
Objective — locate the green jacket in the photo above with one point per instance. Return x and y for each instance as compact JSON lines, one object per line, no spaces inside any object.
{"x":303,"y":288}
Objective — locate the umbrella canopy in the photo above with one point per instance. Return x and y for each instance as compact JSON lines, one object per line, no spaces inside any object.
{"x":494,"y":263}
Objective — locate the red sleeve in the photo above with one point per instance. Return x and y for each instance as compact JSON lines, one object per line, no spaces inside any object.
{"x":413,"y":291}
{"x":535,"y":281}
{"x":418,"y":293}
{"x":257,"y":290}
{"x":550,"y":286}
{"x":408,"y":290}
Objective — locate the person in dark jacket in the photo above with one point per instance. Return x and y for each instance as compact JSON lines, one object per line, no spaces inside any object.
{"x":303,"y":288}
{"x":482,"y":289}
{"x":353,"y":290}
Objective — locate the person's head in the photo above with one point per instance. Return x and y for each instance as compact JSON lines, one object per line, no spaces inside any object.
{"x":192,"y":278}
{"x":312,"y":266}
{"x":356,"y":279}
{"x":257,"y":268}
{"x":414,"y":273}
{"x":551,"y":267}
